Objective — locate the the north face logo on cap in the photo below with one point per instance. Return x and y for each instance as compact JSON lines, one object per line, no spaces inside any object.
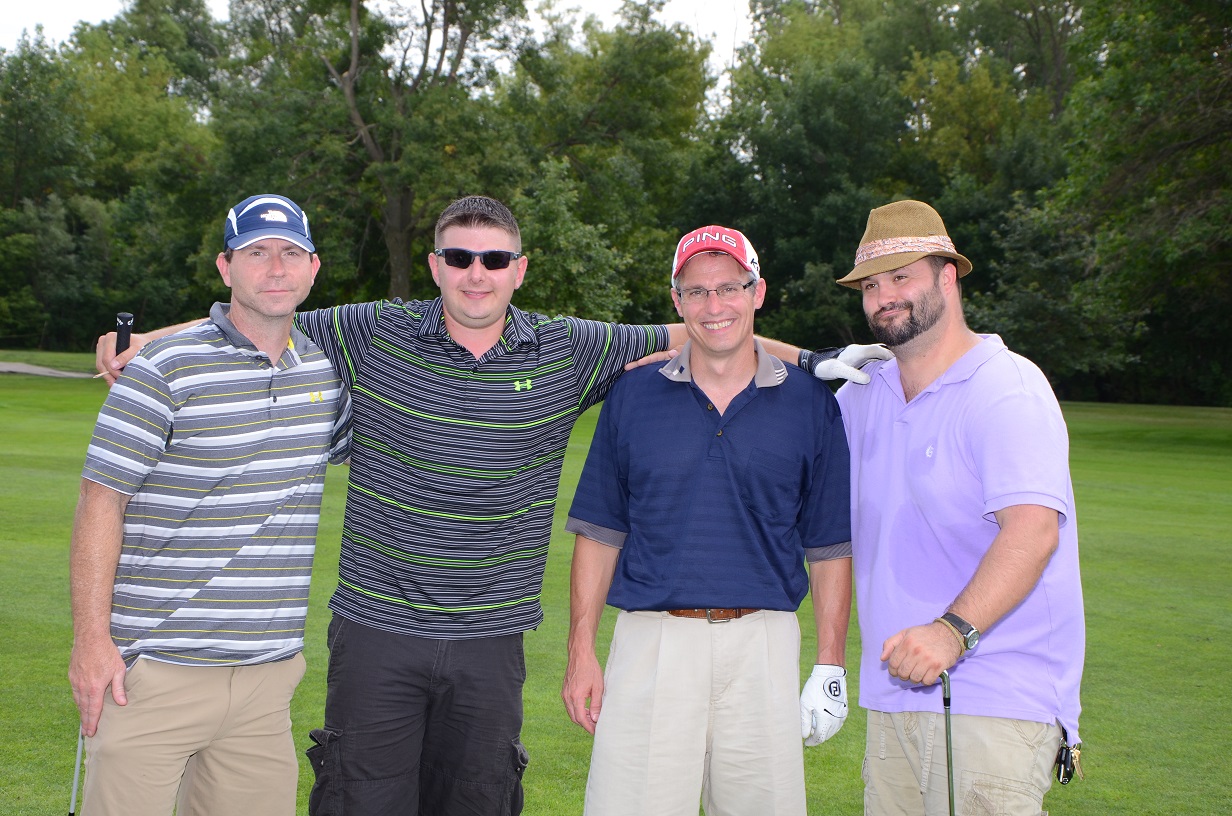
{"x":266,"y":216}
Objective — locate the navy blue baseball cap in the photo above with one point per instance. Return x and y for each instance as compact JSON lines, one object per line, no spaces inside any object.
{"x":266,"y":216}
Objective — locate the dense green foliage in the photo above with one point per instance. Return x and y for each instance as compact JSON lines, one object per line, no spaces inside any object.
{"x":1079,"y":150}
{"x":1154,"y":492}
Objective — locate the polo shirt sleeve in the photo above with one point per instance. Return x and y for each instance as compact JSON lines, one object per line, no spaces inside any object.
{"x":1020,"y":448}
{"x":825,"y":520}
{"x":601,"y":351}
{"x":132,"y":429}
{"x":340,"y":435}
{"x":600,"y":508}
{"x":344,"y":333}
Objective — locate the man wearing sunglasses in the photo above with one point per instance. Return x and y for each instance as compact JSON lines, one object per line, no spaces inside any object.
{"x":462,"y":411}
{"x":695,"y":516}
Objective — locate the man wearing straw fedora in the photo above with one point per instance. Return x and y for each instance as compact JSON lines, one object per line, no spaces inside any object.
{"x":964,"y":540}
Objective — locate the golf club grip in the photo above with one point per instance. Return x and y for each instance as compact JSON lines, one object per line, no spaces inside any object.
{"x":124,"y":331}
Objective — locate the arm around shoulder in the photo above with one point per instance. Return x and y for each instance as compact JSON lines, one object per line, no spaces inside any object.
{"x":109,"y":364}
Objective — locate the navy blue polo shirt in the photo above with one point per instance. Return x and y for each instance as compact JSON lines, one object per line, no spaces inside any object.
{"x":710,"y":509}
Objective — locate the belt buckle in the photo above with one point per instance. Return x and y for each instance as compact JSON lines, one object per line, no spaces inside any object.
{"x":710,"y":619}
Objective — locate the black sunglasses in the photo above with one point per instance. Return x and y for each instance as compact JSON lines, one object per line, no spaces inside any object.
{"x":492,"y":258}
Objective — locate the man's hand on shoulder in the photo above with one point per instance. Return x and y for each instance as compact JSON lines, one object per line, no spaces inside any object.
{"x":843,"y":363}
{"x":108,"y":363}
{"x":657,"y":357}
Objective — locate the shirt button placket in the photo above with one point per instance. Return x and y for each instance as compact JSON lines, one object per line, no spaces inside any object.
{"x":272,"y":393}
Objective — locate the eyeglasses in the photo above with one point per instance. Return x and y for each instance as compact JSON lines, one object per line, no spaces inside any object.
{"x":463,"y":258}
{"x":697,"y":295}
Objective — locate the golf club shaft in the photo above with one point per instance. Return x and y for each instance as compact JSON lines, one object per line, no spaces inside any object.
{"x":949,"y":749}
{"x":72,"y":802}
{"x":124,"y":331}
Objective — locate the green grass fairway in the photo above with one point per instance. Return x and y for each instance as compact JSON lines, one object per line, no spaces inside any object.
{"x":1154,"y":488}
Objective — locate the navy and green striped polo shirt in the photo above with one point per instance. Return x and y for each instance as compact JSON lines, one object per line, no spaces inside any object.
{"x":224,"y":457}
{"x":455,"y":461}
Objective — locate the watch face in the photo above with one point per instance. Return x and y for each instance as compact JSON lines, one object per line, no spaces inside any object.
{"x":966,"y":631}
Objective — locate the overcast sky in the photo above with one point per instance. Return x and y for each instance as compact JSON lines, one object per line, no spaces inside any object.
{"x":724,"y":23}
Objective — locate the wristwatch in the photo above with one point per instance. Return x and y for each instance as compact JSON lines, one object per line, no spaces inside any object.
{"x":967,"y":634}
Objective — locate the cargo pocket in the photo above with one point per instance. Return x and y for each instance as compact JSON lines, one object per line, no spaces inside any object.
{"x":991,"y":795}
{"x":325,"y":757}
{"x":516,"y":798}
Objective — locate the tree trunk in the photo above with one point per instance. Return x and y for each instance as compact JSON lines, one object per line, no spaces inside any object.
{"x":398,"y":226}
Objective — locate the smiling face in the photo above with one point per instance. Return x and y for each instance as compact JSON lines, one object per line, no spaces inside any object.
{"x":904,"y":303}
{"x":719,"y":328}
{"x":476,"y":298}
{"x":268,"y":279}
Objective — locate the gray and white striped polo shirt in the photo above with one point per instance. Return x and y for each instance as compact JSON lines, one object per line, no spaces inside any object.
{"x":224,"y":456}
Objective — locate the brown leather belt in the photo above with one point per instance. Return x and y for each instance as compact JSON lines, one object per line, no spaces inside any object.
{"x":712,"y":615}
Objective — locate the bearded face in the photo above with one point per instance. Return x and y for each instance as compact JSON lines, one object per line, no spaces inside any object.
{"x":902,"y":320}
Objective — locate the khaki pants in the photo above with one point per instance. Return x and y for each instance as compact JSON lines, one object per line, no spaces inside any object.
{"x":700,"y":712}
{"x":1001,"y":767}
{"x":202,"y":740}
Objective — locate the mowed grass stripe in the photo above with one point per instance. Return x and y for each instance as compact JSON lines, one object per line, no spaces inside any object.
{"x":1154,"y":488}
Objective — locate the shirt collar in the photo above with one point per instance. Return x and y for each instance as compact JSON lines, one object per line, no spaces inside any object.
{"x":770,"y":369}
{"x":220,"y":315}
{"x":518,"y":327}
{"x":963,"y":368}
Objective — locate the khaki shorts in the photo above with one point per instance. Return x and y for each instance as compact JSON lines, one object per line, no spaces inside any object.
{"x":1001,"y":767}
{"x":196,"y":739}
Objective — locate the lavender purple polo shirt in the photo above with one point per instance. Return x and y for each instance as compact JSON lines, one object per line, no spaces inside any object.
{"x":926,"y":478}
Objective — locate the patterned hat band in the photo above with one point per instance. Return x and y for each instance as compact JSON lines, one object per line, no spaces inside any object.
{"x":896,"y":246}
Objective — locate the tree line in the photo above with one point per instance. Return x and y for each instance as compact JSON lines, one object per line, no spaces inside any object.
{"x":1079,"y":152}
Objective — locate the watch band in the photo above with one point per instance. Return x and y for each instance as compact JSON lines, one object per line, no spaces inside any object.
{"x":962,"y":641}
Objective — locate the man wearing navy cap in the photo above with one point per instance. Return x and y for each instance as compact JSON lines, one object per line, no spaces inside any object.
{"x":193,"y":542}
{"x":709,"y":483}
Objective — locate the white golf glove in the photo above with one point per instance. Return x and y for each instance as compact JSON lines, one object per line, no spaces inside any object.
{"x":843,"y":363}
{"x":823,"y":704}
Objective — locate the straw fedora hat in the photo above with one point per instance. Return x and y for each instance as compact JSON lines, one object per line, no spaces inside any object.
{"x":899,"y":234}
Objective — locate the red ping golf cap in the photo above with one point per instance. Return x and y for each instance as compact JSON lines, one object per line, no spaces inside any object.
{"x":716,"y":239}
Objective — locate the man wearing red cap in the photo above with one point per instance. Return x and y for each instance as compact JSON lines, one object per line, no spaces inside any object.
{"x":694,"y":516}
